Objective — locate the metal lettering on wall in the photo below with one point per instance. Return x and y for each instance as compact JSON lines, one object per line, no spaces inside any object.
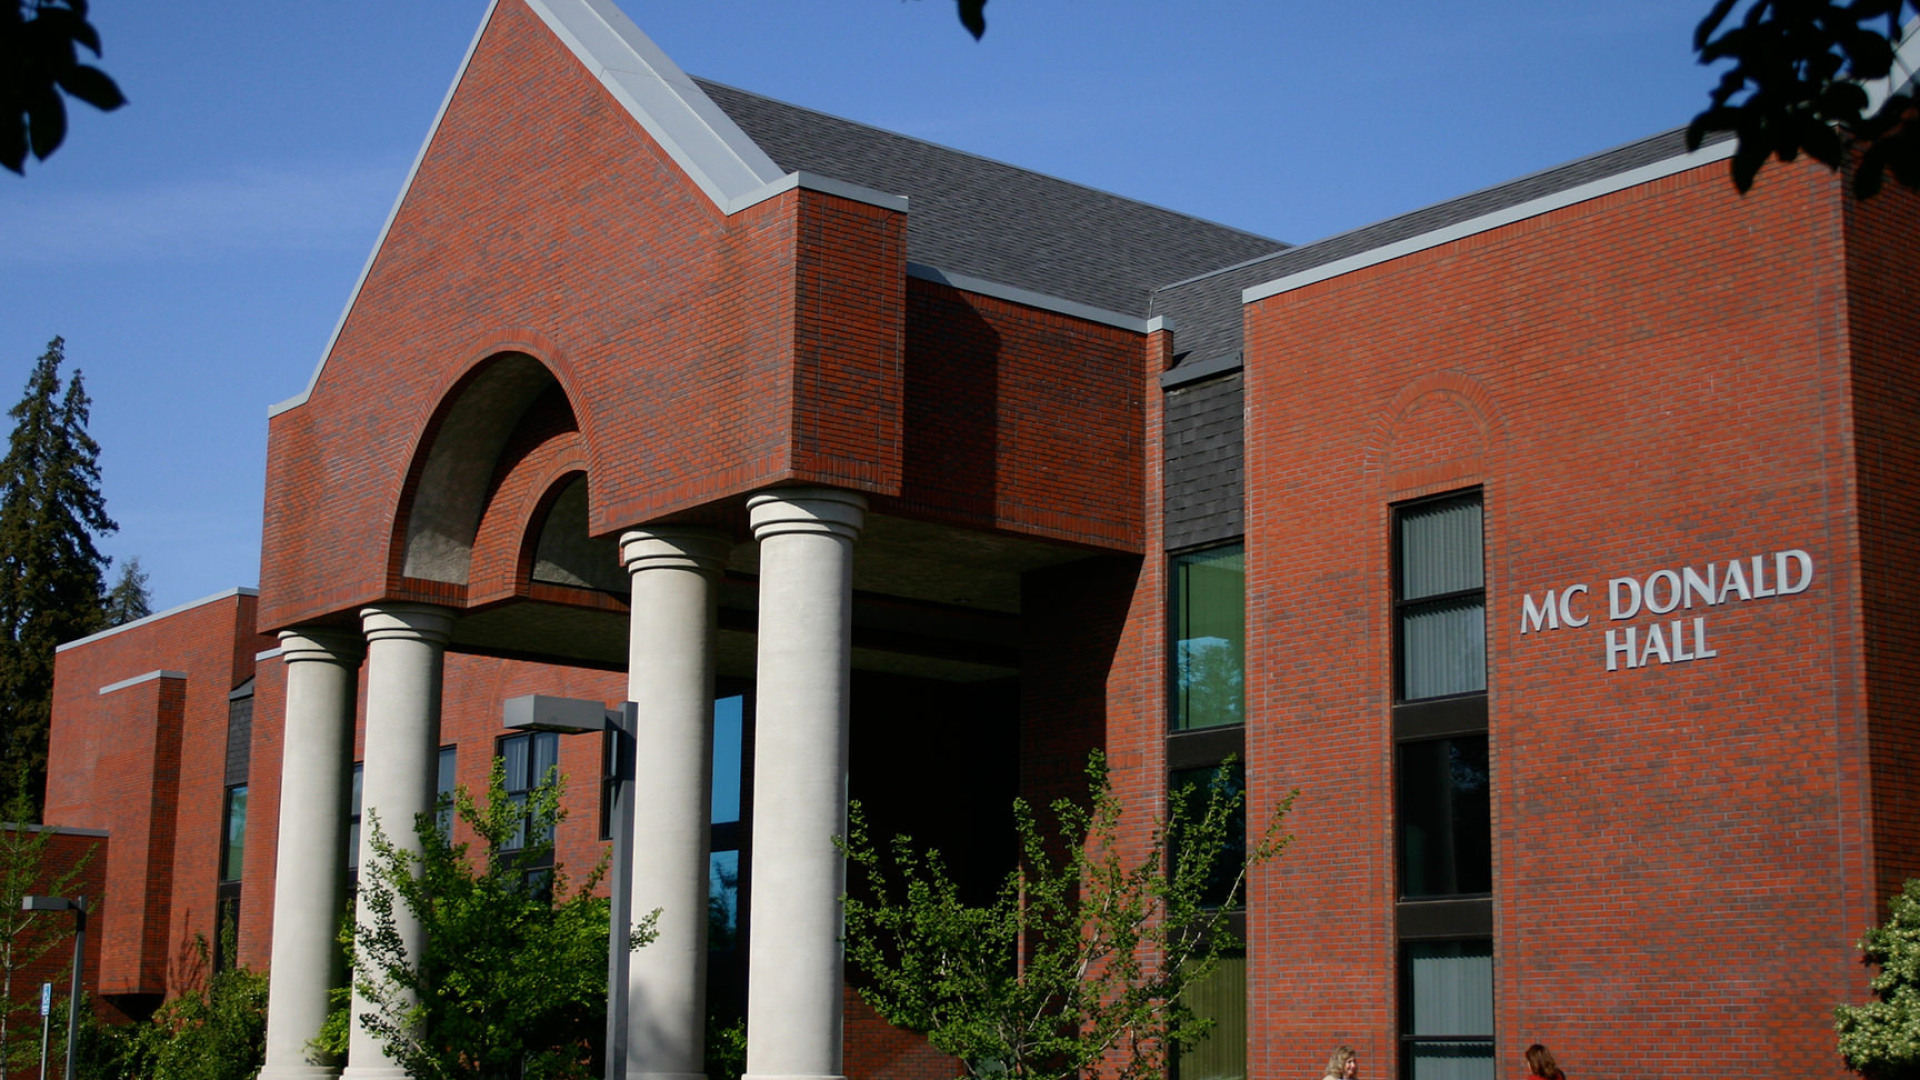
{"x":1666,"y":592}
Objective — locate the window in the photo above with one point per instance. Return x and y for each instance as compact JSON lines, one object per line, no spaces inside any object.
{"x":1206,"y":664}
{"x":233,"y":854}
{"x":233,"y":834}
{"x":1222,"y":995}
{"x":530,"y":761}
{"x":1446,"y":1010}
{"x":1440,"y":610}
{"x":1443,"y":800}
{"x":1197,"y":784}
{"x":353,"y":824}
{"x":723,"y":872}
{"x":443,"y":792}
{"x":1209,"y":638}
{"x":1446,"y":835}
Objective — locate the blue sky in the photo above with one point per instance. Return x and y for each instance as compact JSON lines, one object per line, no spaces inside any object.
{"x":196,"y":247}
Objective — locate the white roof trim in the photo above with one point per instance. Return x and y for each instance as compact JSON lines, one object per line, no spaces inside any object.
{"x":702,"y":139}
{"x":138,"y":679}
{"x":1029,"y":298}
{"x":727,"y":165}
{"x":268,"y":654}
{"x":814,"y":182}
{"x":240,"y":590}
{"x":1906,"y":58}
{"x":1485,"y":222}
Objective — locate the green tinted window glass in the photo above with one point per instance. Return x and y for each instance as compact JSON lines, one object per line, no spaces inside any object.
{"x":1209,"y":638}
{"x":234,"y":860}
{"x":1221,"y":997}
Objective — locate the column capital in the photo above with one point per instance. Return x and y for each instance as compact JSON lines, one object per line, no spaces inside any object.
{"x":407,"y":622}
{"x":675,"y":547}
{"x":317,"y":645}
{"x":807,"y":510}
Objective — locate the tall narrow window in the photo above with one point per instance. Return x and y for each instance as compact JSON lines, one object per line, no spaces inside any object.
{"x":1209,"y":638}
{"x":443,"y":791}
{"x":233,"y":855}
{"x":1206,"y":691}
{"x":1442,"y":791}
{"x":353,"y":824}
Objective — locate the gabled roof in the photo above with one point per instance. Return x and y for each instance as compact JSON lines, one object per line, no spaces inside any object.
{"x":1206,"y":308}
{"x":981,"y":218}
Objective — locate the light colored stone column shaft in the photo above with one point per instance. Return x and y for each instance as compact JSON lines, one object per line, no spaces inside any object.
{"x":405,"y":647}
{"x":670,"y":677}
{"x":800,"y":779}
{"x":310,"y":868}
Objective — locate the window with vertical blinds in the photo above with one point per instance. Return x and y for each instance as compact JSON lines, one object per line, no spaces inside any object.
{"x":1443,"y":797}
{"x":1441,"y":601}
{"x":1448,"y":1010}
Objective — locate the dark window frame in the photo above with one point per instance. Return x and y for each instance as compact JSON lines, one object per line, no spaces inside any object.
{"x":522,"y":786}
{"x":1450,"y":917}
{"x":1173,"y":639}
{"x":1195,"y":748}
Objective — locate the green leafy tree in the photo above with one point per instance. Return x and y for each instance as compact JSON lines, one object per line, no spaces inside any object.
{"x":1794,"y":86}
{"x":50,"y":571}
{"x":1881,"y":1039}
{"x":512,"y":978}
{"x":128,"y":599}
{"x":27,"y":937}
{"x":1078,"y":966}
{"x":39,"y":60}
{"x":215,"y":1030}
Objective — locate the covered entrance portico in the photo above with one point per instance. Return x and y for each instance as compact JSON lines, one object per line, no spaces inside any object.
{"x":619,"y":392}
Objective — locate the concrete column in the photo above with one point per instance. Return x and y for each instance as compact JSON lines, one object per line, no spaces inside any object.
{"x":311,"y":867}
{"x":405,"y":644}
{"x":670,"y":678}
{"x":800,"y":779}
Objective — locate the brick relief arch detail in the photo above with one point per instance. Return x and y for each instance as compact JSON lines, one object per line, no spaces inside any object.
{"x":503,"y":548}
{"x":458,"y":444}
{"x":1436,"y":433}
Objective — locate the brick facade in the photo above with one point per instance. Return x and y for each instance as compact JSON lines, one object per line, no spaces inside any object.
{"x":1685,"y":853}
{"x":1654,"y":376}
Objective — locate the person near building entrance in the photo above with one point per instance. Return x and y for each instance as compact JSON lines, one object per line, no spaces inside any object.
{"x":1344,"y":1064}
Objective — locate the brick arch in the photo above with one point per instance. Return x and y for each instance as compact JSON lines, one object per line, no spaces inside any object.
{"x":503,"y":549}
{"x":460,"y":442}
{"x":1436,"y":433}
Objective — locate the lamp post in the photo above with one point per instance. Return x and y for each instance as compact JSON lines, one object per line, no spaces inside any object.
{"x":77,"y":905}
{"x":572,"y":716}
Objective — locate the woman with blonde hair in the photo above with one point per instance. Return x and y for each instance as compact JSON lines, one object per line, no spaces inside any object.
{"x":1343,"y":1065}
{"x":1541,"y":1064}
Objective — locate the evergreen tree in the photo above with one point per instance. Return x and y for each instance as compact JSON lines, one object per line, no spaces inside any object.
{"x":128,"y":599}
{"x":50,"y":571}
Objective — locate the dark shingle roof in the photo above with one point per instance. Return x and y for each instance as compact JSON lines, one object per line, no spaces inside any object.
{"x":1206,"y":310}
{"x":970,"y":215}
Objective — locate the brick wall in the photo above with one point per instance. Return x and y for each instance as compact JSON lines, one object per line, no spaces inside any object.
{"x":146,"y":763}
{"x":1656,"y":378}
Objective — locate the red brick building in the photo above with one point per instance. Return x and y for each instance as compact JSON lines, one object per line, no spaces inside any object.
{"x":1554,"y":542}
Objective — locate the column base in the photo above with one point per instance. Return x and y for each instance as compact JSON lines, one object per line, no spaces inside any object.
{"x":298,"y":1072}
{"x":374,"y":1072}
{"x":789,"y":1076}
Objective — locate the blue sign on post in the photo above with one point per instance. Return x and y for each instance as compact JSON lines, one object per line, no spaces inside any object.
{"x":46,"y":999}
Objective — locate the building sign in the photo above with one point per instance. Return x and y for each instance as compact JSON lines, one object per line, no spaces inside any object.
{"x":1662,"y":610}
